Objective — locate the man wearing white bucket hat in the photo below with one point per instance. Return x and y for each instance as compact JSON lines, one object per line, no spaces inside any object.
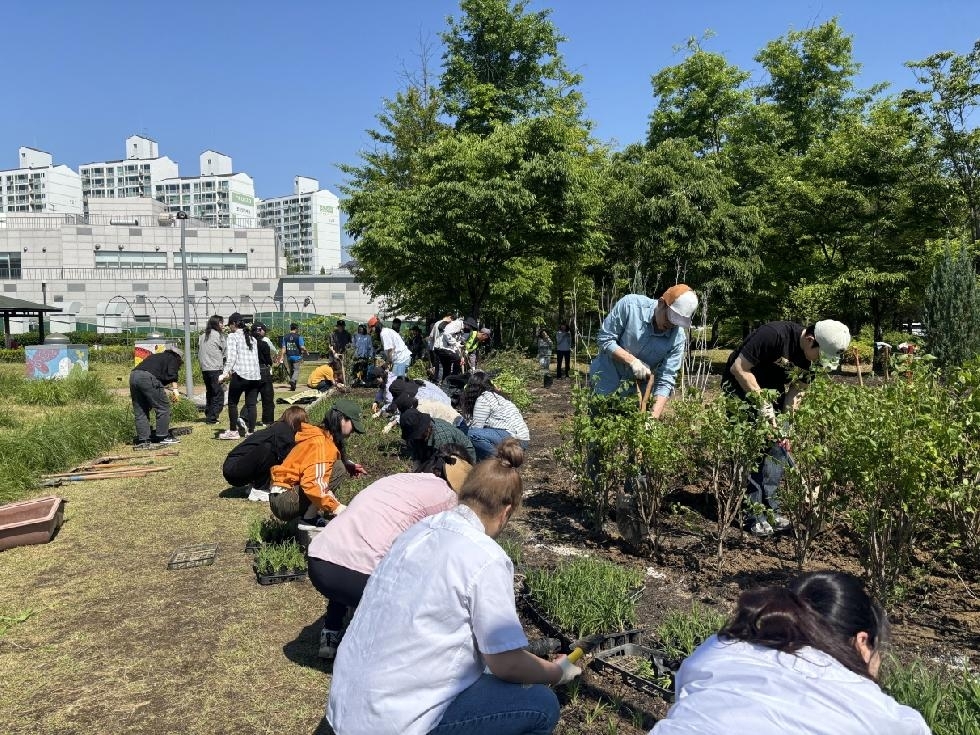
{"x":642,"y":336}
{"x":759,"y":365}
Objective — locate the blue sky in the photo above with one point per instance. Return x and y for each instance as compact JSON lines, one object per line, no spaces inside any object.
{"x":289,"y":88}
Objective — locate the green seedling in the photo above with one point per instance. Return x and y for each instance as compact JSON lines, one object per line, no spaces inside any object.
{"x":683,"y":631}
{"x":284,"y":558}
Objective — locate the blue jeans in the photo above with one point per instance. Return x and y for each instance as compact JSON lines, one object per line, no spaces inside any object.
{"x":764,"y":482}
{"x":400,"y":368}
{"x":491,"y":706}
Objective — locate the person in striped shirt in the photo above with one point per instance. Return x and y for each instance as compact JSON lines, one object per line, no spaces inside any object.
{"x":490,"y":417}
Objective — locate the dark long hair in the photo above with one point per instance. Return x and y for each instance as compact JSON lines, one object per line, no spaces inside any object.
{"x":478,"y":384}
{"x":214,"y":325}
{"x":823,"y":610}
{"x":331,"y":422}
{"x":446,"y":454}
{"x":239,"y":322}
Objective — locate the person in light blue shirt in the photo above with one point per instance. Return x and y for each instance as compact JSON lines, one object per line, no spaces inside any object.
{"x":642,"y":336}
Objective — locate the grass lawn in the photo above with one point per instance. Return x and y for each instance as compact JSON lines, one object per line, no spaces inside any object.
{"x":116,"y":643}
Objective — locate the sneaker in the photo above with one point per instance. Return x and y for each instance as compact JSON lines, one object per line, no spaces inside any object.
{"x":171,"y":439}
{"x":329,"y":641}
{"x":292,"y":387}
{"x":230,"y":435}
{"x":243,"y":426}
{"x":761,"y":529}
{"x":781,"y":523}
{"x":311,"y":524}
{"x":258,"y":496}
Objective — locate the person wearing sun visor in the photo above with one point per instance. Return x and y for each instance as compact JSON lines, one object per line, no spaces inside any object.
{"x":760,"y":363}
{"x":642,"y":336}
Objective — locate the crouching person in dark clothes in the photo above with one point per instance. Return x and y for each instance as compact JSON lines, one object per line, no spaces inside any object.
{"x":250,"y":462}
{"x":152,"y":386}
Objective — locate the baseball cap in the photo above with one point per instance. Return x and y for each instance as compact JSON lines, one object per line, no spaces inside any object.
{"x":833,"y":337}
{"x":402,"y":385}
{"x":352,"y":411}
{"x":681,"y":303}
{"x":372,"y":321}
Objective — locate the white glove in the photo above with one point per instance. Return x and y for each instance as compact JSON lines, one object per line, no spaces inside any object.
{"x":768,"y":413}
{"x":339,"y":509}
{"x":641,"y":370}
{"x":568,"y":671}
{"x":389,"y":426}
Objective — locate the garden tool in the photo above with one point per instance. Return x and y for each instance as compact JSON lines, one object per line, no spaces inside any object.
{"x":584,"y":646}
{"x":644,"y":395}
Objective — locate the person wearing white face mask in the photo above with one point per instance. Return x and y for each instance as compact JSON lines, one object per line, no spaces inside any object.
{"x":642,"y":336}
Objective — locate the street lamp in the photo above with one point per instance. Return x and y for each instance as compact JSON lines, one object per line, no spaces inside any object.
{"x":188,"y":377}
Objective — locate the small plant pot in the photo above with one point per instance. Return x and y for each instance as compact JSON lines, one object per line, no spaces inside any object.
{"x":653,"y":680}
{"x":280,"y":576}
{"x":548,"y":379}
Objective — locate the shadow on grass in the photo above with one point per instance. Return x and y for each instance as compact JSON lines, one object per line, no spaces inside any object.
{"x":323,"y":728}
{"x":235,"y":492}
{"x":302,"y":650}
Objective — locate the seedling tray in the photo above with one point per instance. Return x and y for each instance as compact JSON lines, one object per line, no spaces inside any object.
{"x":252,"y":547}
{"x":266,"y":579}
{"x":612,"y":660}
{"x":553,"y":630}
{"x":198,"y":555}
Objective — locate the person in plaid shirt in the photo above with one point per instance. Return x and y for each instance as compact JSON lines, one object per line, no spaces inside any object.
{"x":424,"y":434}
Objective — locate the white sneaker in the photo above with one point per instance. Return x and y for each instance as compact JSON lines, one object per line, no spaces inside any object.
{"x":781,"y":523}
{"x":761,"y":529}
{"x":258,"y":496}
{"x":230,"y":435}
{"x":329,"y":641}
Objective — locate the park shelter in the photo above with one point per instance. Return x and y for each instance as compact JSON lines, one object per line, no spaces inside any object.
{"x":13,"y":308}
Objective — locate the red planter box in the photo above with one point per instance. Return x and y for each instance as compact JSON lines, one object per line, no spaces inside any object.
{"x":30,"y":521}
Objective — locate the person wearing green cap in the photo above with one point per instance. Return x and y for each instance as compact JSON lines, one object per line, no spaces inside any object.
{"x":304,"y":484}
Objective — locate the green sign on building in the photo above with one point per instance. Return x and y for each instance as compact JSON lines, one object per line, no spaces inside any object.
{"x":242,"y":199}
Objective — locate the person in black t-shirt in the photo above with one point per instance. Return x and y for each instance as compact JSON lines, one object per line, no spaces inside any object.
{"x":762,"y":363}
{"x":152,"y":384}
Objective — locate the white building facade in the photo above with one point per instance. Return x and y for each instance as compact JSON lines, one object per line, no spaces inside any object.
{"x":308,"y":223}
{"x":39,"y":186}
{"x":134,"y":176}
{"x":218,"y":196}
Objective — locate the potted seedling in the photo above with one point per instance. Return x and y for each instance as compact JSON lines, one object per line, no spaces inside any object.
{"x":282,"y":562}
{"x":266,"y":531}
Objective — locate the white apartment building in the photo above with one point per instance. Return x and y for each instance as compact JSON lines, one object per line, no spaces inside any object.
{"x":218,"y":196}
{"x":308,"y":223}
{"x":133,"y":176}
{"x":37,"y":186}
{"x":121,"y":262}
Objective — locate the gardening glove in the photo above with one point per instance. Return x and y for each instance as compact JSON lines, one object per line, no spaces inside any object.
{"x":641,"y":371}
{"x":389,"y":426}
{"x":568,"y":670}
{"x":768,"y":413}
{"x":174,"y":395}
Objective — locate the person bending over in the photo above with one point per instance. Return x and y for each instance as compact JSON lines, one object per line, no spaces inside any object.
{"x":490,"y":416}
{"x":250,"y":463}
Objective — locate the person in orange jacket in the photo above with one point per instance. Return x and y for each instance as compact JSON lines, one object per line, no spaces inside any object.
{"x":309,"y":467}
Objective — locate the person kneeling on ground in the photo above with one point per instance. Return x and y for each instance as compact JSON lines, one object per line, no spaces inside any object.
{"x":413,"y":659}
{"x":250,"y":463}
{"x":304,"y":484}
{"x":424,"y":435}
{"x":435,"y":409}
{"x":796,"y":659}
{"x":490,"y":417}
{"x":344,"y":554}
{"x":323,"y":377}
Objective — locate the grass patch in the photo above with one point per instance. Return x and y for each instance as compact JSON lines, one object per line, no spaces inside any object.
{"x":684,"y":630}
{"x":79,"y":387}
{"x":57,"y":442}
{"x":268,"y":530}
{"x":587,"y":596}
{"x":184,"y":410}
{"x":9,"y":621}
{"x":286,"y":557}
{"x":948,"y":700}
{"x":513,"y":548}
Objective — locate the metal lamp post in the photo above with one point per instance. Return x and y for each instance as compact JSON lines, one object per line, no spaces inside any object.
{"x":188,"y":372}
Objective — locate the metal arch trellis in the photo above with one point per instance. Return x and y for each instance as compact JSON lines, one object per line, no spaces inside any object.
{"x":172,"y":309}
{"x":129,"y":306}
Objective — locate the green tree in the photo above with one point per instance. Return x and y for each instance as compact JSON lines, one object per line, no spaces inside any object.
{"x":952,"y":310}
{"x":502,"y":64}
{"x":949,"y":97}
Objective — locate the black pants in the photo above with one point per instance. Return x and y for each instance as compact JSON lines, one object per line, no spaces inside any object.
{"x":449,"y":361}
{"x":341,"y":586}
{"x":324,"y":385}
{"x":148,"y":394}
{"x":236,"y":388}
{"x":268,"y":395}
{"x":565,"y":355}
{"x":214,"y":395}
{"x":249,"y":469}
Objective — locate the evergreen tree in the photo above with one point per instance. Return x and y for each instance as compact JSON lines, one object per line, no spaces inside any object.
{"x":952,"y":309}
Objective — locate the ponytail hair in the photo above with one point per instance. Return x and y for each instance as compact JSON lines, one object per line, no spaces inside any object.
{"x":495,"y":483}
{"x":332,"y":425}
{"x":822,"y":610}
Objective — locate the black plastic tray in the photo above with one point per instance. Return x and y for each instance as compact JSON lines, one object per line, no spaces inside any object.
{"x":266,"y":579}
{"x":606,"y":660}
{"x":198,"y":555}
{"x":553,"y":630}
{"x":252,"y":547}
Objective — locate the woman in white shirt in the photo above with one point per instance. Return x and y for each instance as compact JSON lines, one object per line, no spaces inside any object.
{"x":490,"y":416}
{"x":436,"y":612}
{"x":800,"y":659}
